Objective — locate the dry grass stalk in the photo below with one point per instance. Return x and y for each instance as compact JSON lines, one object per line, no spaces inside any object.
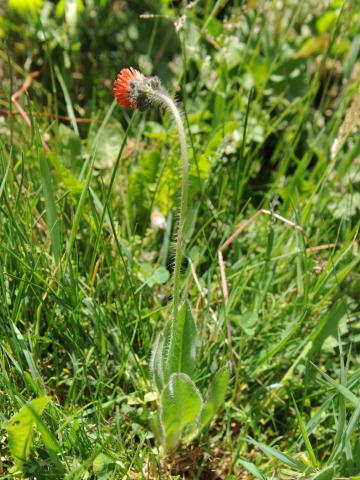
{"x":24,"y":88}
{"x":351,"y":121}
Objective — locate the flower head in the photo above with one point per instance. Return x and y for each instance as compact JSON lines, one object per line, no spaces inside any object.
{"x":124,"y":86}
{"x":132,"y":89}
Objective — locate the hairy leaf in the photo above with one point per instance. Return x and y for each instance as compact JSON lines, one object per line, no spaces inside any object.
{"x":182,"y":358}
{"x":181,"y":404}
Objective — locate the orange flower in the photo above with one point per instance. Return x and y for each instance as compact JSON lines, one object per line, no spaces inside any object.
{"x":123,"y":86}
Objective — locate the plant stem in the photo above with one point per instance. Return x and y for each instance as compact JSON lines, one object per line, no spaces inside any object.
{"x":171,"y":105}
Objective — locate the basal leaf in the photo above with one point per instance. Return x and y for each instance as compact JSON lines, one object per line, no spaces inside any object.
{"x":181,"y":404}
{"x":183,"y":355}
{"x":20,"y":429}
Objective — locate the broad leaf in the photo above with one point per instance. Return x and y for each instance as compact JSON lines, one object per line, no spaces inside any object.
{"x":155,"y":425}
{"x":21,"y":427}
{"x":216,"y":396}
{"x":103,"y":465}
{"x":182,"y":357}
{"x":181,"y":404}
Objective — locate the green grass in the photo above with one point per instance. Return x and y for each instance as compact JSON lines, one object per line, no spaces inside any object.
{"x":85,"y":277}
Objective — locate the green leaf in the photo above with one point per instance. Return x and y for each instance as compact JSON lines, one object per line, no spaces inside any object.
{"x":3,"y":181}
{"x":181,"y":404}
{"x":141,"y":184}
{"x":20,"y":429}
{"x":345,"y":206}
{"x":69,"y":105}
{"x":107,"y":148}
{"x":72,"y":184}
{"x":155,"y":425}
{"x":251,"y":468}
{"x":326,"y":474}
{"x":151,"y":275}
{"x":306,"y":439}
{"x":160,"y":276}
{"x":50,"y":204}
{"x":182,"y":358}
{"x":272,"y":452}
{"x":247,"y":321}
{"x":159,"y":359}
{"x":156,"y":362}
{"x":352,"y":57}
{"x":340,"y":388}
{"x":26,"y":7}
{"x":326,"y":21}
{"x":216,"y":396}
{"x":327,"y":326}
{"x":190,"y":222}
{"x":103,"y":465}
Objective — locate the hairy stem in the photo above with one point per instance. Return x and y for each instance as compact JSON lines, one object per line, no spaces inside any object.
{"x":171,"y":105}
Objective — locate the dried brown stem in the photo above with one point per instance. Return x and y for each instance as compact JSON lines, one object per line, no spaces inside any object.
{"x":24,"y":88}
{"x":6,"y":112}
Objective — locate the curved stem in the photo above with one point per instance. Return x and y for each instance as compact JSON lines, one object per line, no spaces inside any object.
{"x":171,"y":105}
